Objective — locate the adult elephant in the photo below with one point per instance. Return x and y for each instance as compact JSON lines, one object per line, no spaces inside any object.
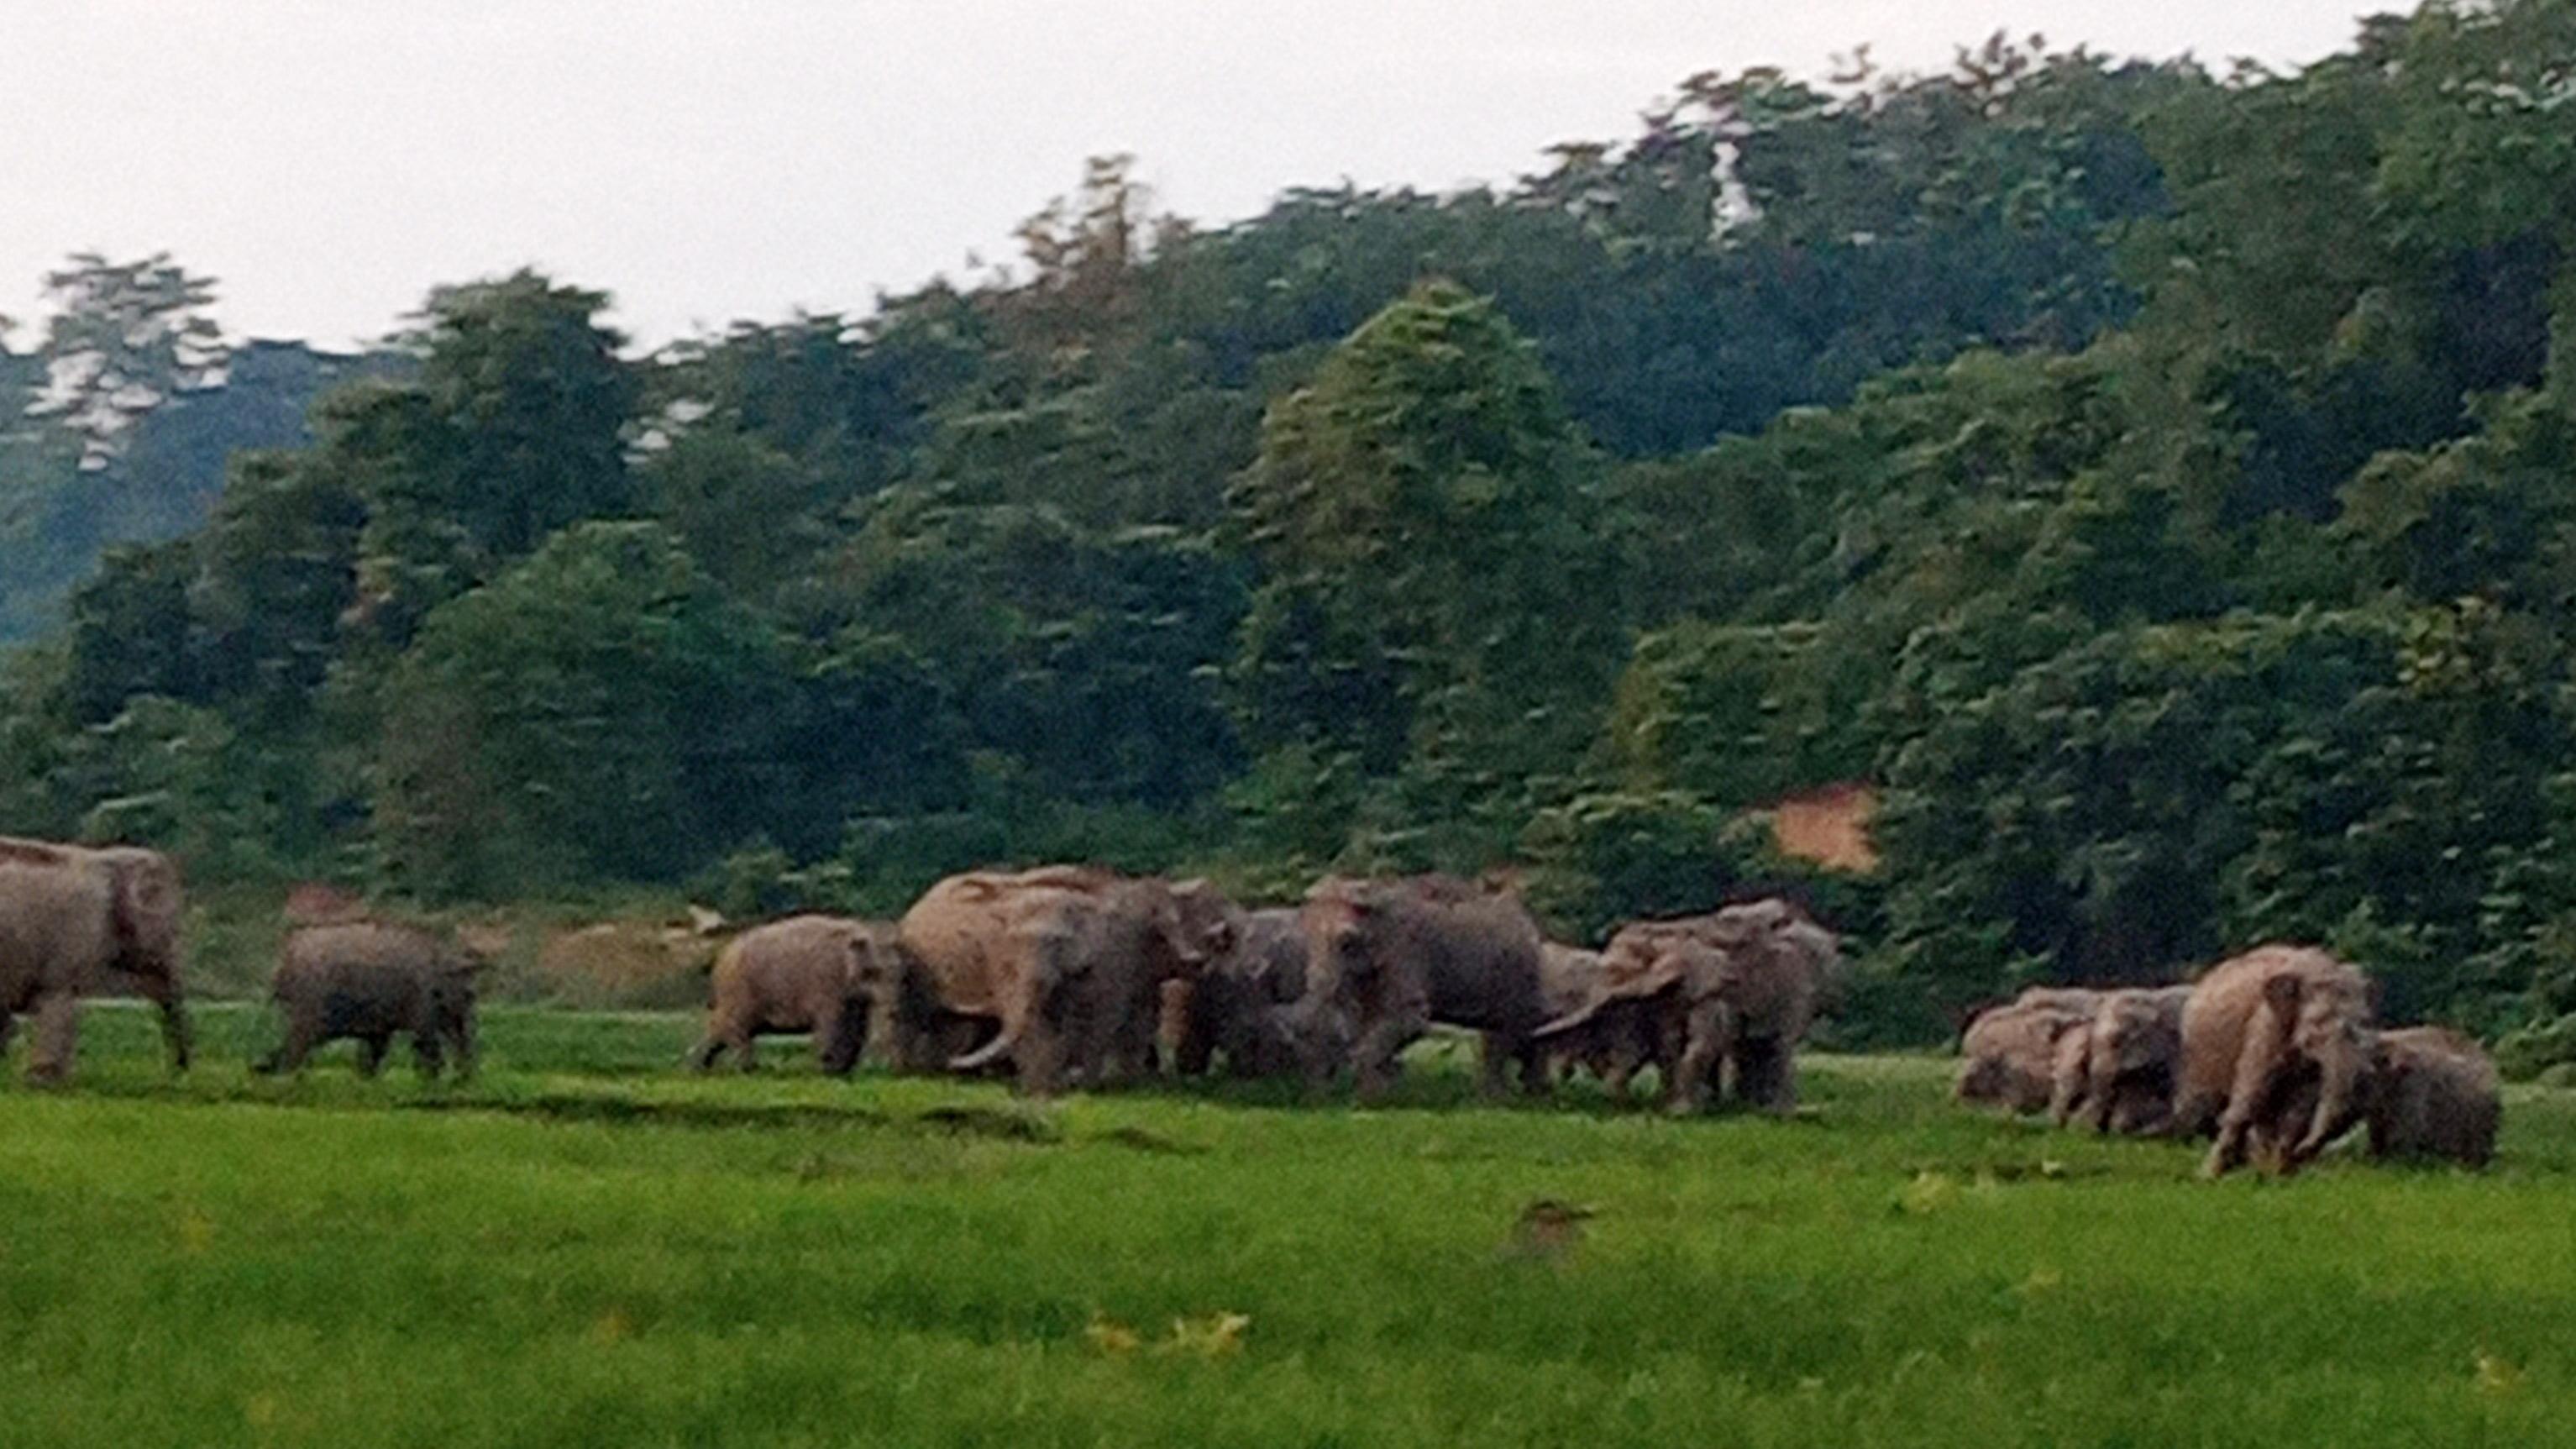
{"x":1241,"y":1005}
{"x":2276,"y":1044}
{"x":832,"y":976}
{"x":2009,"y":1052}
{"x":1063,"y":966}
{"x":1741,"y":984}
{"x":2120,"y":1071}
{"x":1385,"y":959}
{"x":74,"y":921}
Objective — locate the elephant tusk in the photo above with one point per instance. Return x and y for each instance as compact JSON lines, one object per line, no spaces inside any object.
{"x":985,"y":1055}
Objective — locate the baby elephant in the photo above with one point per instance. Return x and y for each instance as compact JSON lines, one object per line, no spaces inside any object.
{"x":828,"y":975}
{"x":374,"y":981}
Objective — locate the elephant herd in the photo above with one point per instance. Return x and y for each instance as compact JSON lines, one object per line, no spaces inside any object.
{"x":1078,"y":976}
{"x":1071,"y":975}
{"x":2274,"y":1053}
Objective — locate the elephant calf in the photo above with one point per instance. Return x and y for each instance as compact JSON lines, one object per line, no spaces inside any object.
{"x":374,"y":981}
{"x":2008,"y":1054}
{"x":1614,"y":1042}
{"x":1239,"y":1006}
{"x":828,"y":975}
{"x":2432,"y":1094}
{"x":2117,"y":1070}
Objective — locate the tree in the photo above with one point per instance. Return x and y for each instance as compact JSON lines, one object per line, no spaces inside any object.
{"x":125,"y":337}
{"x":1429,"y":530}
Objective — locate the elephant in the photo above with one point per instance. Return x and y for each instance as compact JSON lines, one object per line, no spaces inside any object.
{"x":1385,"y":959}
{"x":374,"y":981}
{"x":1063,"y":965}
{"x":1616,"y":1041}
{"x":2120,"y":1075}
{"x":2257,"y":1029}
{"x":2432,"y":1094}
{"x":832,"y":976}
{"x":76,"y":921}
{"x":1740,"y":986}
{"x":2009,"y":1051}
{"x":1240,"y":1005}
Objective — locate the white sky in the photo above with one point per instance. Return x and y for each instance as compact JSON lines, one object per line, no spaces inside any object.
{"x":330,"y":160}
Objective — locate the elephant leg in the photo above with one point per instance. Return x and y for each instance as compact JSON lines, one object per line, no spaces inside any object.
{"x":371,"y":1052}
{"x":702,"y":1057}
{"x":57,"y":1035}
{"x":177,"y":1038}
{"x":428,"y":1055}
{"x":2248,"y":1100}
{"x":832,"y":1050}
{"x":1536,"y":1080}
{"x":1381,"y":1045}
{"x":302,"y":1035}
{"x":743,"y":1041}
{"x":1695,"y":1074}
{"x":8,"y":1029}
{"x":1766,"y":1074}
{"x":1493,"y":1061}
{"x":1040,"y":1056}
{"x":460,"y":1036}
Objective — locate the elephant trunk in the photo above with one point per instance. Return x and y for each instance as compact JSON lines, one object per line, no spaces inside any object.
{"x":2340,"y":1073}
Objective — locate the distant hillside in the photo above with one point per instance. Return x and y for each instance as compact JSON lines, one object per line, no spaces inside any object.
{"x":55,"y":520}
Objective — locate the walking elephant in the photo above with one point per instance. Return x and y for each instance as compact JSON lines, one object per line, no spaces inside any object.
{"x":1240,"y":1006}
{"x":1385,"y":959}
{"x":2432,"y":1095}
{"x":1741,"y":987}
{"x":1064,"y":967}
{"x":2257,"y":1030}
{"x":75,"y":921}
{"x":2008,"y":1054}
{"x":832,"y":976}
{"x":2121,"y":1076}
{"x":374,"y":981}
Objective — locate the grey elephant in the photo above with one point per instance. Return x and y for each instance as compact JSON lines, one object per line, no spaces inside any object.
{"x":2276,"y":1044}
{"x":1062,"y":966}
{"x":75,"y":922}
{"x":2009,"y":1052}
{"x":2120,"y":1074}
{"x":1386,"y":959}
{"x":2432,"y":1094}
{"x":373,"y":981}
{"x":1614,"y":1043}
{"x":831,"y":976}
{"x":1741,"y":985}
{"x":1240,"y":1006}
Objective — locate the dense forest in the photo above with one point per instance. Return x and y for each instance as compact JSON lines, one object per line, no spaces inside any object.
{"x":2157,"y":484}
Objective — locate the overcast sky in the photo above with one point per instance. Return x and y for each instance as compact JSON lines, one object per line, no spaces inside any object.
{"x":705,"y":160}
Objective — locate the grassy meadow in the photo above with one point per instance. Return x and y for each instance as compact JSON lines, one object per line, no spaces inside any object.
{"x":586,"y":1246}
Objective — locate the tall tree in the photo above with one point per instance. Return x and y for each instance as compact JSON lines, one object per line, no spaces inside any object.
{"x":124,"y":338}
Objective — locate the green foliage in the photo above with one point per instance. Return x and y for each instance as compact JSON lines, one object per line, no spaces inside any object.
{"x":1599,"y":860}
{"x":1432,"y":551}
{"x":596,"y":709}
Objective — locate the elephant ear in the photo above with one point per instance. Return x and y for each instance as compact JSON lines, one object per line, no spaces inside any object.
{"x":1665,"y":970}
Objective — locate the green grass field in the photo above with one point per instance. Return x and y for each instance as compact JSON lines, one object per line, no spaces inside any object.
{"x":588,"y":1247}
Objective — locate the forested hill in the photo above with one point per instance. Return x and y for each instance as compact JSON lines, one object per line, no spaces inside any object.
{"x":2157,"y":484}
